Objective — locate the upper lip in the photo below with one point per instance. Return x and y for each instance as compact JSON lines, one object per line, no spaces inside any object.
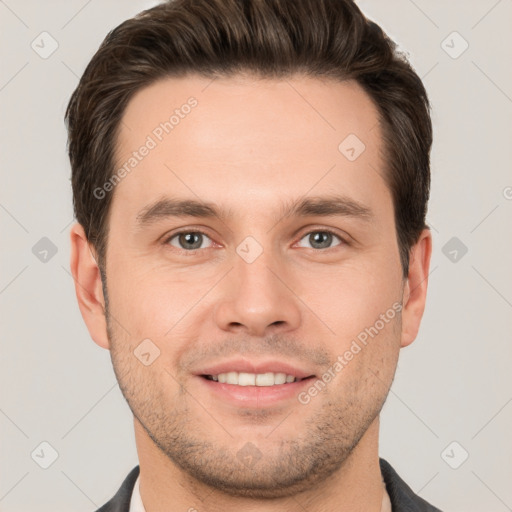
{"x":258,"y":367}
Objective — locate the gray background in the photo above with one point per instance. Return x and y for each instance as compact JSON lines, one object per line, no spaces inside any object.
{"x":452,"y":394}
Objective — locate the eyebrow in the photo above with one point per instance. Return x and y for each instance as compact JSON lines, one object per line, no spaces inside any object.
{"x":323,"y":206}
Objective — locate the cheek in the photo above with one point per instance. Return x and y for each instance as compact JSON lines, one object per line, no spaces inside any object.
{"x":150,"y":300}
{"x":352,"y":297}
{"x":366,"y":359}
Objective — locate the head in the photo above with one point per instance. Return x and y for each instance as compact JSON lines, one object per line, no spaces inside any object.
{"x":250,"y":182}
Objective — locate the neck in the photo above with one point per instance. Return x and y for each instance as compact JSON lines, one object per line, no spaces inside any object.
{"x":355,"y":486}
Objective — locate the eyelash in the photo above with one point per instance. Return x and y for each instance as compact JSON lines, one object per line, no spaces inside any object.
{"x":198,"y":231}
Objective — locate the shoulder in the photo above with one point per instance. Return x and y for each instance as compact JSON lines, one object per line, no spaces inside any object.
{"x":121,"y":501}
{"x":402,"y":497}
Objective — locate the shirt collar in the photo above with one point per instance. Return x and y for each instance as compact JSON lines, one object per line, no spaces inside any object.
{"x":136,"y":504}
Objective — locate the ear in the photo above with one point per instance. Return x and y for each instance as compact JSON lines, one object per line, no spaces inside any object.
{"x":88,"y":286}
{"x":415,"y":289}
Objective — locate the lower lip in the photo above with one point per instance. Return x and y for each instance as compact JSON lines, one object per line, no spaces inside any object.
{"x":256,"y":396}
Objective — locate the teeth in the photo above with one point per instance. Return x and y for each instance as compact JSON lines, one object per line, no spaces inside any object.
{"x":253,"y":379}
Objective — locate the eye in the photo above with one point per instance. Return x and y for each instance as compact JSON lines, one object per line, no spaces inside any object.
{"x":188,"y":240}
{"x":321,"y":239}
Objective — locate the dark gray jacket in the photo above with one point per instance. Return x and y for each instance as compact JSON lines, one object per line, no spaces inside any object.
{"x":401,"y":495}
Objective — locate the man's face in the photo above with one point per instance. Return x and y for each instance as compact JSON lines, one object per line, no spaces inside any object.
{"x":258,"y":291}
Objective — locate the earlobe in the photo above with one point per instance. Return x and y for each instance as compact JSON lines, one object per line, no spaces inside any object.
{"x":88,"y":286}
{"x":415,"y":289}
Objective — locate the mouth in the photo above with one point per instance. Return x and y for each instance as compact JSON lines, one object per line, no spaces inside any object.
{"x":255,"y":379}
{"x":254,"y":384}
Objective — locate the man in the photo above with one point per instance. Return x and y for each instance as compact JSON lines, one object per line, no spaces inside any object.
{"x":250,"y":182}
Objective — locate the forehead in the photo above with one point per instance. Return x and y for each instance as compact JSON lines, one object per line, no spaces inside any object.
{"x":248,"y":142}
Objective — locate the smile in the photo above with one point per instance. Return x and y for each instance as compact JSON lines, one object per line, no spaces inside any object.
{"x":253,"y":379}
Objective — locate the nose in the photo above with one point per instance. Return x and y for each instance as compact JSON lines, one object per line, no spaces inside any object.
{"x":258,"y":298}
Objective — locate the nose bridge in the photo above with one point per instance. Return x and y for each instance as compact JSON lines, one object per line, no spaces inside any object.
{"x":257,"y":284}
{"x":253,"y":266}
{"x":257,"y":297}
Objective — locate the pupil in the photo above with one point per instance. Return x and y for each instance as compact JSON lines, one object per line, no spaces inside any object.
{"x":188,"y":239}
{"x":318,"y":236}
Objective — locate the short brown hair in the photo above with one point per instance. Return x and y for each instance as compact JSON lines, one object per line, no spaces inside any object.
{"x":273,"y":39}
